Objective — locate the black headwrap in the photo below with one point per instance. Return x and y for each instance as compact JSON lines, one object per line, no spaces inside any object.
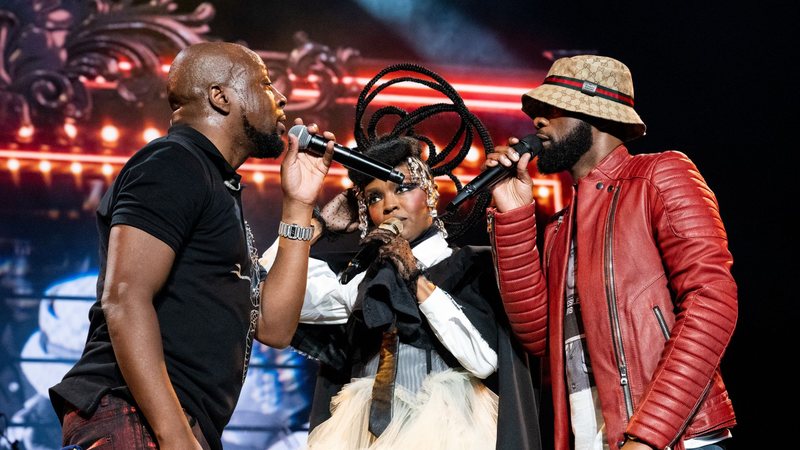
{"x":440,"y":162}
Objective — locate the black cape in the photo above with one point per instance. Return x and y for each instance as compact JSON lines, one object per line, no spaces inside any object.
{"x":468,"y":276}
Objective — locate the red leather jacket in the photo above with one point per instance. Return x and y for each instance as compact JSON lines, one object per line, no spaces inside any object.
{"x":657,"y":297}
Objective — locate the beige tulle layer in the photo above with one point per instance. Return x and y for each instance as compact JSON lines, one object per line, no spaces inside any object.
{"x":451,"y":411}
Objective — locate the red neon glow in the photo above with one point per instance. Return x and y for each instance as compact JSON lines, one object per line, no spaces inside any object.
{"x":307,"y":94}
{"x":465,"y":87}
{"x":514,"y":92}
{"x":420,"y":100}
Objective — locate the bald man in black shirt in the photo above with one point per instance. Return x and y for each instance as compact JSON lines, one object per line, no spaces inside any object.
{"x":180,"y":293}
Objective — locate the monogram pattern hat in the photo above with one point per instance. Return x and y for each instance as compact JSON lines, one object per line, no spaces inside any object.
{"x":596,"y":86}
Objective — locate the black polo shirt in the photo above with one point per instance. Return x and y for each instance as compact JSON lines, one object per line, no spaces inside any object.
{"x":180,"y":190}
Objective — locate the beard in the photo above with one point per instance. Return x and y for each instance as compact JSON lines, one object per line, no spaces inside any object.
{"x":565,"y":153}
{"x":265,"y":145}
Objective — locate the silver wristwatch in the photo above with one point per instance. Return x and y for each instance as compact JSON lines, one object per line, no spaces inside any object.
{"x":295,"y":231}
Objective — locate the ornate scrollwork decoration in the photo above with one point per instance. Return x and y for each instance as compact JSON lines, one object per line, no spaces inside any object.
{"x":314,"y":66}
{"x":51,"y":58}
{"x":46,"y":62}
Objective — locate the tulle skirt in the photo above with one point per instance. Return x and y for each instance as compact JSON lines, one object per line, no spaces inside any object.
{"x":452,"y":410}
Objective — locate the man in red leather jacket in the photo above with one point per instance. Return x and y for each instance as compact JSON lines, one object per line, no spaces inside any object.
{"x":631,"y":297}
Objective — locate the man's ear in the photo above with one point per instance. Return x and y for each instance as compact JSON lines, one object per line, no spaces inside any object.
{"x":218,"y":99}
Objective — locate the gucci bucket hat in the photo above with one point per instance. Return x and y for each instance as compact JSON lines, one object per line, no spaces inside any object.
{"x":591,"y":85}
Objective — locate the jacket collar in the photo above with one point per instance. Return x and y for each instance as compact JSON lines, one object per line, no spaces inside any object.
{"x":608,"y":166}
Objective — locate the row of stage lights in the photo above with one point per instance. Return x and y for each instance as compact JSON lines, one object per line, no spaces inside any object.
{"x":81,"y":165}
{"x":46,"y":167}
{"x":109,"y":134}
{"x":74,"y":163}
{"x":257,"y":173}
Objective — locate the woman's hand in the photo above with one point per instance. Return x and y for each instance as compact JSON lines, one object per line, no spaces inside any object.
{"x":384,"y":235}
{"x":341,"y":213}
{"x":398,"y":253}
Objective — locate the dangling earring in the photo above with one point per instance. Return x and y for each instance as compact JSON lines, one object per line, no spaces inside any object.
{"x":362,"y":214}
{"x":421,"y":174}
{"x":435,"y":215}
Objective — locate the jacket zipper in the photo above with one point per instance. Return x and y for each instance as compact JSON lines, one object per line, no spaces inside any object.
{"x":611,"y":297}
{"x":549,"y":250}
{"x":661,"y":322}
{"x":691,"y":415}
{"x":490,"y":229}
{"x":665,"y":330}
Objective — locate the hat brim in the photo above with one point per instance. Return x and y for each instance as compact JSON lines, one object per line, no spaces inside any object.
{"x":537,"y":99}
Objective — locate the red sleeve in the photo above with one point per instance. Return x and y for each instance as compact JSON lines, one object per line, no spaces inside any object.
{"x":694,"y":248}
{"x":523,"y":286}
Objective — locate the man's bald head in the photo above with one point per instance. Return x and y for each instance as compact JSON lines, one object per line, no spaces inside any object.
{"x":200,"y":66}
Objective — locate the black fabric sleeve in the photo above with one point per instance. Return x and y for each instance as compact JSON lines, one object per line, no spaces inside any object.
{"x":163,"y":195}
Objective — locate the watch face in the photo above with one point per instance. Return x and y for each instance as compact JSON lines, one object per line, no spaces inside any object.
{"x":295,"y":231}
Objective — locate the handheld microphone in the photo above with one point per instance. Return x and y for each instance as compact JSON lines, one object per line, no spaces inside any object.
{"x":492,"y":175}
{"x":346,"y":157}
{"x":369,"y":252}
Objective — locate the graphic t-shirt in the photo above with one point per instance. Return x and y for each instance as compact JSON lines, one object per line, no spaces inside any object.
{"x":586,"y":416}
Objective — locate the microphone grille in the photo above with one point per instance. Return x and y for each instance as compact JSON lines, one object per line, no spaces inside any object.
{"x":302,"y":135}
{"x":392,"y":224}
{"x":534,"y":143}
